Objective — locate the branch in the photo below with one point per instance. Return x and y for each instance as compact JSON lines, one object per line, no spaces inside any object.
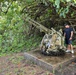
{"x":65,"y":19}
{"x":72,"y":5}
{"x":8,"y":7}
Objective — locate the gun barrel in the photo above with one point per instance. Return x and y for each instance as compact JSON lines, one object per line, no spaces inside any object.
{"x":40,"y":26}
{"x":43,"y":28}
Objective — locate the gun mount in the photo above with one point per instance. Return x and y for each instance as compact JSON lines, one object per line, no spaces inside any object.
{"x":52,"y":42}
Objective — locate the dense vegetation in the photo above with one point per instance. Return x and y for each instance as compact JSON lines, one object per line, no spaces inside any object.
{"x":16,"y":34}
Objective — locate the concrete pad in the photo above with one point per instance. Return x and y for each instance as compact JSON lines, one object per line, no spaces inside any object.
{"x":50,"y":63}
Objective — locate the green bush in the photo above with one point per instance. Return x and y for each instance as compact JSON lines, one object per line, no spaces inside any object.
{"x":13,"y":37}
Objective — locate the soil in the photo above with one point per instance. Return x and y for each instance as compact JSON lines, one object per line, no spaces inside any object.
{"x":68,"y":70}
{"x":16,"y":64}
{"x":54,"y":60}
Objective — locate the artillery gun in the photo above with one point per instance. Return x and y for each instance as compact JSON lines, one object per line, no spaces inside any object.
{"x":52,"y":42}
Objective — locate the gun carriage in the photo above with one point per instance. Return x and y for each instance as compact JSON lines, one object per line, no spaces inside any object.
{"x":53,"y":42}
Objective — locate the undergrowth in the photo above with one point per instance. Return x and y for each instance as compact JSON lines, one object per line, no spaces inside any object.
{"x":30,"y":43}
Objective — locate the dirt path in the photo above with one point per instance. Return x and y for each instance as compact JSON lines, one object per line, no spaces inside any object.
{"x":16,"y":64}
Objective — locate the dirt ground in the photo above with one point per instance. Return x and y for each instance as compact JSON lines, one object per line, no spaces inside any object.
{"x":16,"y":64}
{"x":68,"y":70}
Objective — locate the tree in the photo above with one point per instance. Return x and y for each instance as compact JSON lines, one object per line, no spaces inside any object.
{"x":13,"y":27}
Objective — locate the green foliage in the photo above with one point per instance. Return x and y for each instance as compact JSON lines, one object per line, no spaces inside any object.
{"x":11,"y":26}
{"x":12,"y":31}
{"x":74,"y":42}
{"x":57,"y":3}
{"x":32,"y":42}
{"x":63,"y":11}
{"x":62,"y":6}
{"x":28,"y":1}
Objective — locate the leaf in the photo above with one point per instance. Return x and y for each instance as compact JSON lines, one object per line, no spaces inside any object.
{"x":68,"y":0}
{"x":57,"y":3}
{"x":72,"y":14}
{"x":29,"y":1}
{"x":64,"y":15}
{"x":44,"y":1}
{"x":75,"y":1}
{"x":67,"y":9}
